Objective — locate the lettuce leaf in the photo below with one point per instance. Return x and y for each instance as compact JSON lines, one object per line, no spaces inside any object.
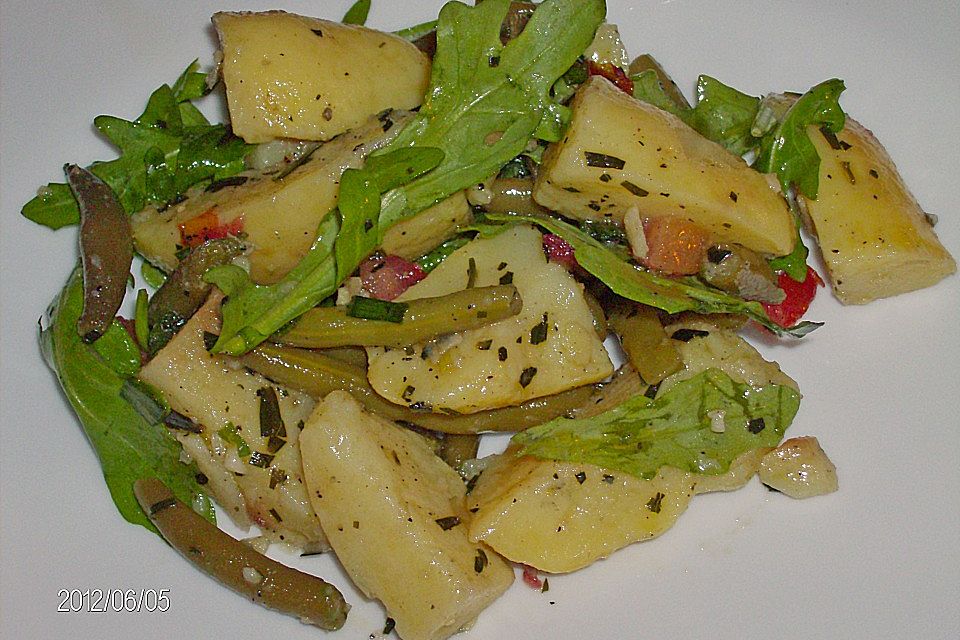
{"x":485,"y":102}
{"x":641,"y":435}
{"x":170,"y":147}
{"x":128,"y":445}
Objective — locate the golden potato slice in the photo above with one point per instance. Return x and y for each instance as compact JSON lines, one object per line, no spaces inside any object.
{"x":549,"y":347}
{"x":278,"y":215}
{"x":619,"y":152}
{"x":218,"y":394}
{"x":289,"y":76}
{"x":799,"y":468}
{"x":559,"y":516}
{"x":875,"y":239}
{"x":396,"y":518}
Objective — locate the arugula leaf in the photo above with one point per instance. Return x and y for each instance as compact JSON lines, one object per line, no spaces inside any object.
{"x":641,"y":435}
{"x":486,"y":100}
{"x":167,"y":149}
{"x":128,"y":446}
{"x":119,"y":351}
{"x":670,"y":295}
{"x":788,"y":151}
{"x":357,"y":13}
{"x":484,"y":103}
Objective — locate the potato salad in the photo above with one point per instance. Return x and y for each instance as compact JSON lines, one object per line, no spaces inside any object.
{"x":399,"y":243}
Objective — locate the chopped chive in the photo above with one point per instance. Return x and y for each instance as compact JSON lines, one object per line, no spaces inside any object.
{"x":447,"y":523}
{"x":640,"y":192}
{"x":655,"y":503}
{"x":141,"y":325}
{"x":686,"y":335}
{"x":527,"y":375}
{"x":373,"y":309}
{"x":603,"y":160}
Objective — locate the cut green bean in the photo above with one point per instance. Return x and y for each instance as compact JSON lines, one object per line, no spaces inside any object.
{"x":647,"y":346}
{"x":317,"y":375}
{"x":457,"y":448}
{"x":238,"y":565}
{"x":185,"y":290}
{"x":425,"y":319}
{"x":106,"y":251}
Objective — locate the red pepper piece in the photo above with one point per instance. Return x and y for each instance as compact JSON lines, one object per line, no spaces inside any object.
{"x":799,"y":297}
{"x":207,"y":226}
{"x":530,"y":577}
{"x":613,"y":73}
{"x":559,"y":250}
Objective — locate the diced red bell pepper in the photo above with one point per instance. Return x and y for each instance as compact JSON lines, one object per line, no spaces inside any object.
{"x":207,"y":226}
{"x":799,"y":297}
{"x":530,"y":577}
{"x":559,"y":250}
{"x":613,"y":73}
{"x":386,"y":277}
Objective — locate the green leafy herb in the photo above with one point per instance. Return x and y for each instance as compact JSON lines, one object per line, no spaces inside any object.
{"x":775,"y":127}
{"x":357,"y":13}
{"x":670,"y":295}
{"x":788,"y":150}
{"x":119,"y":351}
{"x":230,"y":435}
{"x":475,"y":119}
{"x":641,"y":435}
{"x":432,"y":260}
{"x":166,"y":150}
{"x":128,"y":446}
{"x":373,"y":309}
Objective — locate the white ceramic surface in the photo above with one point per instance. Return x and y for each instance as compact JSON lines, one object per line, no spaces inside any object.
{"x":879,"y":559}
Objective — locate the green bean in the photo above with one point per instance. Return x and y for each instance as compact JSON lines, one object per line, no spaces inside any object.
{"x":647,"y":346}
{"x":513,"y":195}
{"x":184,"y":291}
{"x":457,"y":448}
{"x":106,"y":251}
{"x":647,"y":62}
{"x":317,"y":375}
{"x":237,"y":565}
{"x":426,"y":318}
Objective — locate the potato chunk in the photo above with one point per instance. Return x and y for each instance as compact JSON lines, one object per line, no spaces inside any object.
{"x":799,"y":468}
{"x":289,"y":76}
{"x":279,"y":216}
{"x":549,"y":347}
{"x":218,"y":394}
{"x":619,"y":152}
{"x":559,"y":516}
{"x":396,"y":517}
{"x":875,"y":239}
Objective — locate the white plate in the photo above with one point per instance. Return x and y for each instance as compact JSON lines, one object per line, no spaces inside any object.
{"x":879,"y":559}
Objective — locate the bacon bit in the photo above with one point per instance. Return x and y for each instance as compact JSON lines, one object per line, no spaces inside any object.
{"x":207,"y":226}
{"x":799,"y":297}
{"x":674,"y":246}
{"x":559,"y":250}
{"x":530,"y":577}
{"x":386,"y":277}
{"x":613,"y":73}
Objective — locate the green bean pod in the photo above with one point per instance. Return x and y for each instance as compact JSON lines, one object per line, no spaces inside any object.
{"x":237,"y":565}
{"x":425,"y":319}
{"x":106,"y":251}
{"x":457,"y":448}
{"x":317,"y":375}
{"x":184,"y":290}
{"x":646,"y":344}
